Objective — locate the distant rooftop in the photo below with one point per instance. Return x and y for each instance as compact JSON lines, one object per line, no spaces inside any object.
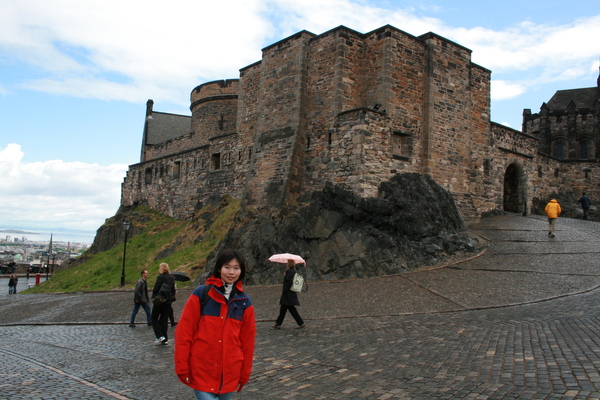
{"x":583,"y":98}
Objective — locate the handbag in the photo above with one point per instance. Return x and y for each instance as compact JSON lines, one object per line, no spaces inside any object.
{"x":298,"y":284}
{"x":158,"y":300}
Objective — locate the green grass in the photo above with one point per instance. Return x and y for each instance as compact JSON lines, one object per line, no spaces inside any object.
{"x":103,"y":271}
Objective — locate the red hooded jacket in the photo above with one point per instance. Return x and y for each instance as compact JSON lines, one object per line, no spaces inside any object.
{"x":215,"y":350}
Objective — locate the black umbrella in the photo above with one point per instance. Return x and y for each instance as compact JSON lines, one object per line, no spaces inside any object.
{"x":180,"y":276}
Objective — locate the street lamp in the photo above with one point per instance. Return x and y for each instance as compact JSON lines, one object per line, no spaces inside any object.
{"x":126,"y":227}
{"x":48,"y":266}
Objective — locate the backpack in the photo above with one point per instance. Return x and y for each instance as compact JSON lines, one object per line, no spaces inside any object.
{"x":164,"y":295}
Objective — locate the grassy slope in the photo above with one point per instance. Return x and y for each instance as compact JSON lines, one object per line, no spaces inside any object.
{"x":192,"y":242}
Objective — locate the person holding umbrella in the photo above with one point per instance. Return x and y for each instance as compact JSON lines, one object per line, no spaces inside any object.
{"x":289,"y":298}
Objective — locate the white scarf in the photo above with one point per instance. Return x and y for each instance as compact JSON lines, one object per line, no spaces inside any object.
{"x":228,"y":288}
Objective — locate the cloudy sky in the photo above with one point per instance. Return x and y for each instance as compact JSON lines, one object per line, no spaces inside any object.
{"x":75,"y":76}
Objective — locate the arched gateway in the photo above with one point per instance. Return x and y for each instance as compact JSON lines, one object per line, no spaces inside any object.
{"x":515,"y":195}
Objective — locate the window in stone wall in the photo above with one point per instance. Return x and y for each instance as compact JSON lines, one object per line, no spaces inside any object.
{"x":176,"y":169}
{"x":402,"y":145}
{"x":487,"y":166}
{"x":215,"y":161}
{"x":540,"y":172}
{"x":556,"y":173}
{"x":588,"y":173}
{"x":148,"y":176}
{"x":559,"y":149}
{"x":249,"y":153}
{"x":583,"y":149}
{"x":221,"y":122}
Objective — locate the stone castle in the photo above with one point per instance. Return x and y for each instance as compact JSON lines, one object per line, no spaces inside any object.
{"x":355,"y":109}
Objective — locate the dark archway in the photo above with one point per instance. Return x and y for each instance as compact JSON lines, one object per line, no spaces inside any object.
{"x":514,"y":190}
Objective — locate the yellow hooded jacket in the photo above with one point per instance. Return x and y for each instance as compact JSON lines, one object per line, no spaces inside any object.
{"x":553,"y":209}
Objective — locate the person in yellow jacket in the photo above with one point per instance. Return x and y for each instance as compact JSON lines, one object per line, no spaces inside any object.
{"x":553,"y":210}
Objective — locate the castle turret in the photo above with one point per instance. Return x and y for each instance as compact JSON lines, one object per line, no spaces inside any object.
{"x":214,"y":109}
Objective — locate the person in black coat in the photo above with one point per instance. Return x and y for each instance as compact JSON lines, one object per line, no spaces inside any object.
{"x":165,"y":287}
{"x":585,"y":204}
{"x":289,"y":299}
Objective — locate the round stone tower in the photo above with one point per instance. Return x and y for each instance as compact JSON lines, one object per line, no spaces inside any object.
{"x":214,"y":109}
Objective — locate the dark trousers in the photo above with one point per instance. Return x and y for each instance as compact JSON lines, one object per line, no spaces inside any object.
{"x":160,"y":320}
{"x":293,"y":311}
{"x":136,"y":308}
{"x":585,"y":210}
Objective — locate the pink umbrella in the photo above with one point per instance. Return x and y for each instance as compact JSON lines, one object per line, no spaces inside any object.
{"x":284,"y":257}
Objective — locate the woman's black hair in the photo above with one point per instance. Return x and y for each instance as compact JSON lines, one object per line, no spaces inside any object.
{"x":225,"y":257}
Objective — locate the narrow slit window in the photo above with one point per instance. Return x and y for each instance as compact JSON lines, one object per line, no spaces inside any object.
{"x":215,"y":161}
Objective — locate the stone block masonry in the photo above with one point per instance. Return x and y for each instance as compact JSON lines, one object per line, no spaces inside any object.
{"x":353,"y":109}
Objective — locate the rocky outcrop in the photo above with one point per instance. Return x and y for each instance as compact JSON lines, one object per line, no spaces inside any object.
{"x":414,"y":222}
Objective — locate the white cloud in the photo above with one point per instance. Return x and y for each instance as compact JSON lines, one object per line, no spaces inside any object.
{"x":72,"y":195}
{"x":133,"y":50}
{"x":134,"y":45}
{"x":503,"y":90}
{"x":526,"y":46}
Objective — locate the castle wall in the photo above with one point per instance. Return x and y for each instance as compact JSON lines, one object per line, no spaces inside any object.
{"x":562,"y":133}
{"x":452,"y":128}
{"x":364,"y":108}
{"x":173,"y":146}
{"x":179,"y":183}
{"x":354,"y":109}
{"x":279,"y":137}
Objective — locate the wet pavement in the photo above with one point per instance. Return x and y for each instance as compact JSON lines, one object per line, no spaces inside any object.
{"x":518,"y":321}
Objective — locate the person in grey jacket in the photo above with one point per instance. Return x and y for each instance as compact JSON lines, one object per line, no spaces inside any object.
{"x":289,"y":299}
{"x":141,"y":299}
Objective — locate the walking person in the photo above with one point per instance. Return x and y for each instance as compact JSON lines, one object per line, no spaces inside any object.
{"x":552,"y":210}
{"x":289,"y":299}
{"x":585,"y":204}
{"x":214,"y":340}
{"x":12,"y":284}
{"x":141,"y":299}
{"x":164,"y":288}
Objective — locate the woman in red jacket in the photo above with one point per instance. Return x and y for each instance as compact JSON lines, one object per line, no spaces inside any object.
{"x":214,"y":340}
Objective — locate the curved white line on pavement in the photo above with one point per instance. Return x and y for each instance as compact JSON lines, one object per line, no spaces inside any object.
{"x":63,"y":373}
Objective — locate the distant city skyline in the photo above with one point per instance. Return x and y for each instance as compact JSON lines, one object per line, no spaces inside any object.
{"x":59,"y":235}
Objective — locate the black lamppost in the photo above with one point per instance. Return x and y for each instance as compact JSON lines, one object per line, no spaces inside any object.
{"x":126,"y":226}
{"x":48,"y":267}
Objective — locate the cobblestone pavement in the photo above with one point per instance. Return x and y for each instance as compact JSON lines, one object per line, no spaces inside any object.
{"x":519,"y":321}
